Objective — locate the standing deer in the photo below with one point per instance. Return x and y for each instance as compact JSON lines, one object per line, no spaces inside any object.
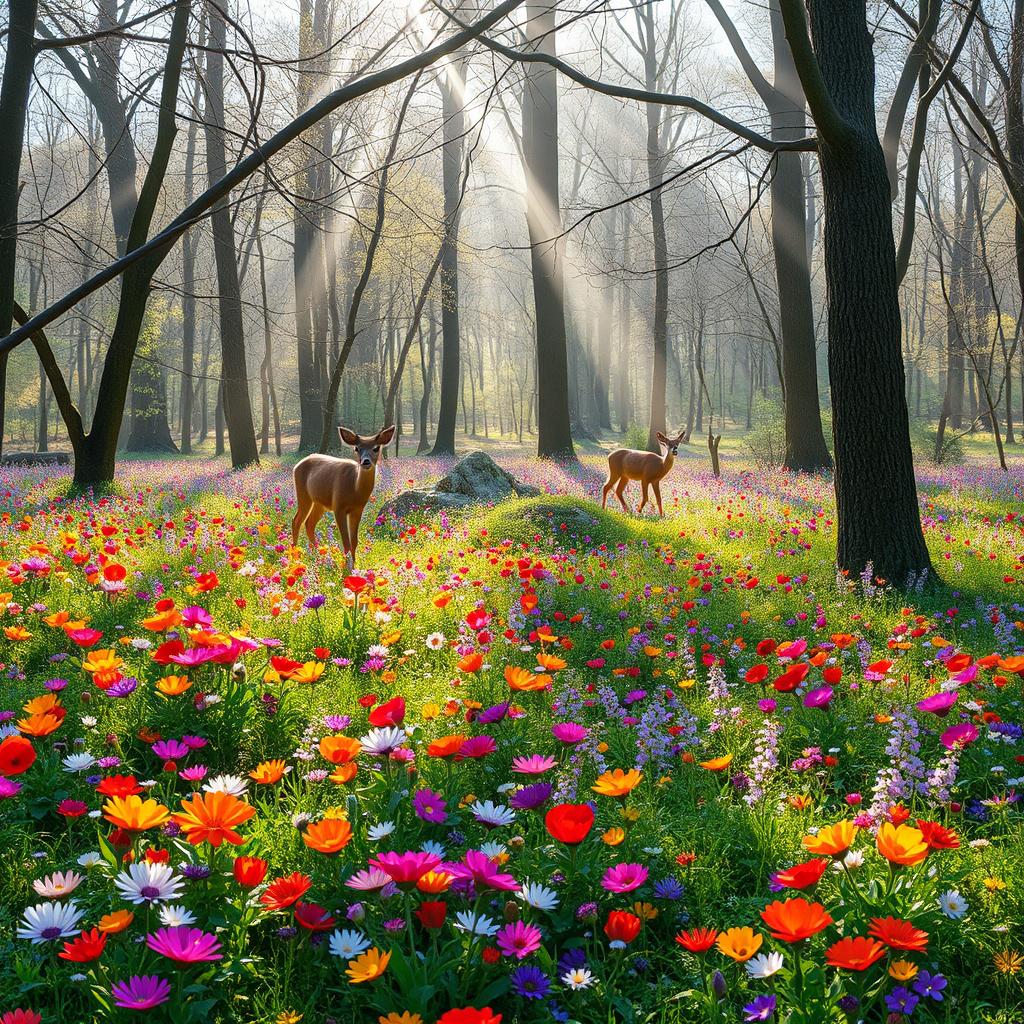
{"x":323,"y":482}
{"x":625,"y":464}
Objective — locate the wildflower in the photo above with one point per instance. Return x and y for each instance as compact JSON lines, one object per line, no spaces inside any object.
{"x":901,"y":1000}
{"x":1008,"y":961}
{"x":466,"y":921}
{"x":569,"y":823}
{"x":623,"y":878}
{"x":118,"y":921}
{"x":141,"y":992}
{"x":266,"y":773}
{"x":147,"y":882}
{"x":85,"y":948}
{"x":249,"y":871}
{"x":405,"y":869}
{"x":902,"y":970}
{"x":48,"y":921}
{"x":795,"y":919}
{"x":739,"y":944}
{"x":535,"y":764}
{"x":492,"y":815}
{"x":832,"y":839}
{"x":899,"y":934}
{"x":185,"y":945}
{"x":348,"y":944}
{"x":802,"y":876}
{"x":993,"y":884}
{"x":538,"y":896}
{"x":952,"y":904}
{"x":621,"y":927}
{"x":530,"y":982}
{"x":212,"y":818}
{"x":331,"y":835}
{"x":380,"y":831}
{"x":134,"y":814}
{"x":469,"y":1015}
{"x":930,"y":986}
{"x":698,"y":940}
{"x":483,"y":872}
{"x":283,"y":892}
{"x":57,"y":885}
{"x":429,"y":806}
{"x":431,"y":914}
{"x":764,"y":965}
{"x":901,"y":844}
{"x":577,"y":978}
{"x":760,"y":1009}
{"x":854,"y":953}
{"x":617,"y":783}
{"x":175,"y":917}
{"x":518,"y":939}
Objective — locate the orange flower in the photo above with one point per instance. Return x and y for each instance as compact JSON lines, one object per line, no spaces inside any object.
{"x":331,"y":835}
{"x":17,"y":633}
{"x":519,"y":679}
{"x":172,"y":686}
{"x":134,"y":814}
{"x":739,"y":944}
{"x":795,"y":920}
{"x":832,"y":840}
{"x":550,"y":662}
{"x":899,"y":934}
{"x":901,"y":844}
{"x":854,"y":953}
{"x":937,"y":836}
{"x":446,"y":746}
{"x":266,"y":773}
{"x":162,"y":621}
{"x":717,"y":764}
{"x":40,"y":725}
{"x":310,"y":672}
{"x":344,"y":773}
{"x":42,"y":704}
{"x":613,"y":837}
{"x":212,"y":817}
{"x":471,"y":662}
{"x":117,"y":921}
{"x":698,"y":940}
{"x":434,"y":882}
{"x":617,"y":782}
{"x":101,"y":661}
{"x":339,"y":749}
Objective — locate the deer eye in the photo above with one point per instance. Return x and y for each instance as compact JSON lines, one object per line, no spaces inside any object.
{"x":377,"y":448}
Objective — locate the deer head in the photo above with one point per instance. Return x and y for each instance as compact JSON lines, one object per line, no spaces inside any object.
{"x":673,"y":443}
{"x":367,"y":449}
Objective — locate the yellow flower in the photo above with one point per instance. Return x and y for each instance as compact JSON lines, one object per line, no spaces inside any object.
{"x":613,"y":837}
{"x":134,"y":814}
{"x":832,"y":839}
{"x":430,"y":712}
{"x":629,"y":814}
{"x":901,"y":844}
{"x":617,"y":782}
{"x":739,"y":944}
{"x":993,"y":884}
{"x":645,"y":911}
{"x":308,"y":673}
{"x":1008,"y":962}
{"x":405,"y":1017}
{"x":368,"y":966}
{"x":288,"y":1017}
{"x":172,"y":686}
{"x":902,"y":970}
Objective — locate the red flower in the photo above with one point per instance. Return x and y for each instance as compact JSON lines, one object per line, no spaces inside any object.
{"x":119,"y":785}
{"x":792,"y":677}
{"x":72,"y":808}
{"x":491,"y":955}
{"x":391,"y":712}
{"x":16,"y":755}
{"x":313,"y":918}
{"x":470,"y":1015}
{"x":283,"y":892}
{"x":431,"y":913}
{"x":802,"y":876}
{"x":756,"y":674}
{"x":937,"y":836}
{"x":569,"y":823}
{"x":249,"y":871}
{"x":368,"y":700}
{"x":699,"y":940}
{"x":355,"y":583}
{"x":622,"y":926}
{"x":84,"y":948}
{"x":25,"y":1017}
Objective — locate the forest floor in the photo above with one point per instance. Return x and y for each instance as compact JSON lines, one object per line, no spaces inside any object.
{"x":519,"y":759}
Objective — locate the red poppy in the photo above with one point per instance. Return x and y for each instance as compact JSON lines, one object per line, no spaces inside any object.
{"x":469,"y":1015}
{"x":313,"y":918}
{"x":16,"y":755}
{"x":756,"y":674}
{"x":355,"y":583}
{"x":622,"y":926}
{"x":938,"y":837}
{"x":431,"y":913}
{"x":792,"y":677}
{"x":391,"y":712}
{"x":569,"y":823}
{"x":119,"y":785}
{"x":802,"y":876}
{"x":249,"y":871}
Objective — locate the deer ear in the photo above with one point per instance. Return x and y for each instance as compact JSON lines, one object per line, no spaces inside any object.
{"x":384,"y":437}
{"x":661,"y":437}
{"x":347,"y":437}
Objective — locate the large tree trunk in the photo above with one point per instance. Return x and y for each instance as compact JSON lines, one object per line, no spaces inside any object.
{"x":547,"y":246}
{"x":452,"y":81}
{"x":805,"y":443}
{"x":234,"y":373}
{"x":879,"y":526}
{"x":13,"y":110}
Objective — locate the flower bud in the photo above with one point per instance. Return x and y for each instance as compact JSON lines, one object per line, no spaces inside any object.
{"x":718,"y":985}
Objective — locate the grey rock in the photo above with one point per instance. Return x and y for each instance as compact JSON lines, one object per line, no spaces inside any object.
{"x":36,"y":459}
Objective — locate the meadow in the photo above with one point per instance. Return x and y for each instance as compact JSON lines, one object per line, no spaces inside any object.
{"x":532,"y":762}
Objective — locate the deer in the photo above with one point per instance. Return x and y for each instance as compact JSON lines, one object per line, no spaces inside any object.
{"x":625,"y":464}
{"x":344,"y":486}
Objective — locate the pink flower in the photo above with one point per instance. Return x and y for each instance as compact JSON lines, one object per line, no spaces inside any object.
{"x":959,"y":735}
{"x":141,"y":992}
{"x":535,"y":764}
{"x":938,"y":703}
{"x":476,"y":746}
{"x":818,"y":698}
{"x":624,"y":877}
{"x":518,"y":939}
{"x":569,"y":732}
{"x":406,"y":868}
{"x":185,"y":945}
{"x":483,"y":872}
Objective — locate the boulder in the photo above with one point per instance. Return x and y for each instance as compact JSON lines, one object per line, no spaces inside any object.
{"x":36,"y":459}
{"x":475,"y":480}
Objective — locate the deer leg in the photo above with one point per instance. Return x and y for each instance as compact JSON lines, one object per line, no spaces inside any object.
{"x":618,"y":494}
{"x":341,"y":518}
{"x":643,"y":499}
{"x":303,"y":506}
{"x":606,"y":490}
{"x":657,"y":496}
{"x":353,"y":531}
{"x":314,"y":517}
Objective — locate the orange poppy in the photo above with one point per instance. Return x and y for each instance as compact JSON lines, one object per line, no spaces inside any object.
{"x":446,"y":746}
{"x":901,"y":844}
{"x":212,"y":818}
{"x":832,"y":840}
{"x":854,"y":953}
{"x":135,"y":814}
{"x":520,"y":679}
{"x":344,"y":773}
{"x":331,"y":835}
{"x":114,"y":922}
{"x":339,"y":749}
{"x":266,"y":773}
{"x":899,"y":934}
{"x":717,"y":764}
{"x":739,"y":944}
{"x":471,"y":662}
{"x":617,"y":782}
{"x":795,"y":920}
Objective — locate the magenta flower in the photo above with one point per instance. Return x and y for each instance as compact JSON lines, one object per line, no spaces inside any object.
{"x":767,"y":705}
{"x":938,"y":703}
{"x":170,"y":750}
{"x":569,"y":732}
{"x":195,"y":617}
{"x":476,"y":746}
{"x":959,"y":735}
{"x":483,"y":872}
{"x":818,"y":698}
{"x":141,"y":992}
{"x":406,"y":868}
{"x":185,"y":945}
{"x":518,"y":939}
{"x":195,"y":657}
{"x":8,"y":788}
{"x":429,"y":806}
{"x":535,"y":764}
{"x":624,"y":877}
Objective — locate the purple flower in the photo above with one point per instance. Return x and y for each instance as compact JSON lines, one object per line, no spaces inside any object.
{"x":901,"y":1000}
{"x":530,"y":982}
{"x":314,"y":601}
{"x":530,"y":797}
{"x":123,"y":687}
{"x":930,"y":985}
{"x":760,"y":1009}
{"x":141,"y":992}
{"x":959,"y":735}
{"x":8,"y":788}
{"x":429,"y":806}
{"x":494,"y":714}
{"x":169,"y":750}
{"x":818,"y":698}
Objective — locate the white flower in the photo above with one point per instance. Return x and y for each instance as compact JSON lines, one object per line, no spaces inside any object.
{"x":78,"y":762}
{"x":234,"y":785}
{"x":348,"y":943}
{"x":494,"y":815}
{"x":8,"y":730}
{"x":382,"y":741}
{"x":140,"y":643}
{"x":854,"y":859}
{"x":433,"y":846}
{"x":481,"y":925}
{"x":146,"y":882}
{"x":953,"y":905}
{"x":88,"y":722}
{"x":90,"y":859}
{"x":48,"y":921}
{"x":764,"y":965}
{"x":377,"y":651}
{"x":176,"y":916}
{"x":534,"y":894}
{"x":978,"y":844}
{"x":381,"y":831}
{"x":435,"y":641}
{"x":578,"y":978}
{"x":492,"y":850}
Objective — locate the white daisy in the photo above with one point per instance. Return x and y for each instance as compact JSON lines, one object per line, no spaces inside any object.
{"x":377,"y":651}
{"x":493,"y":815}
{"x":953,"y":905}
{"x":764,"y":965}
{"x":480,"y":925}
{"x":380,"y":831}
{"x":535,"y":895}
{"x":433,"y":846}
{"x":90,"y":859}
{"x":78,"y":762}
{"x":348,"y":943}
{"x":46,"y":922}
{"x":146,"y":882}
{"x":234,"y":785}
{"x":578,"y":978}
{"x":492,"y":849}
{"x":382,"y":741}
{"x":176,"y":916}
{"x":435,"y":641}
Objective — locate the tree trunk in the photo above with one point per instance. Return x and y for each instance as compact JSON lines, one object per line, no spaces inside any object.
{"x":427,"y":370}
{"x":13,"y":110}
{"x":879,"y":525}
{"x":547,"y":246}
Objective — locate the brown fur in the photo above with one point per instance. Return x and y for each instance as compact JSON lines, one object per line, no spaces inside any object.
{"x":625,"y":464}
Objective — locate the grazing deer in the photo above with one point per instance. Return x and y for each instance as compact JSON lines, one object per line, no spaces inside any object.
{"x":323,"y":482}
{"x":625,"y":464}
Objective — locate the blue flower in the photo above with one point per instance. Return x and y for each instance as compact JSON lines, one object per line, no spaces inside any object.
{"x":930,"y":985}
{"x":530,"y":982}
{"x":668,"y":889}
{"x":760,"y":1009}
{"x":901,"y":1000}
